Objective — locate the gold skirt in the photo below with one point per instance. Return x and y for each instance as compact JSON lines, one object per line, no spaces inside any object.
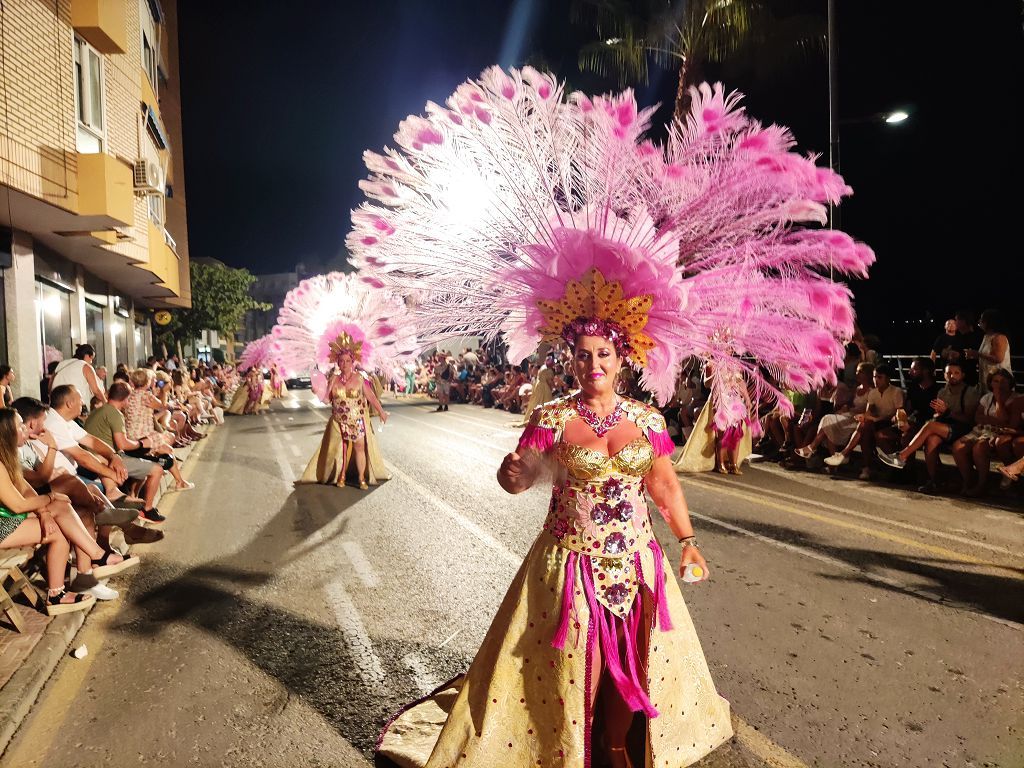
{"x":525,"y":703}
{"x":332,"y":461}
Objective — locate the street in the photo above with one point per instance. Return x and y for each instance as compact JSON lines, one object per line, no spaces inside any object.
{"x":847,"y":624}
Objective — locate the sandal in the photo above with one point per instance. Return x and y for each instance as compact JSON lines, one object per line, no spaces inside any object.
{"x":1013,"y":478}
{"x":103,"y":568}
{"x":57,"y":604}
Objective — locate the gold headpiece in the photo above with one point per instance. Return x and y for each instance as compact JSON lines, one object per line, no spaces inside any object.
{"x":594,"y":298}
{"x":346,"y":344}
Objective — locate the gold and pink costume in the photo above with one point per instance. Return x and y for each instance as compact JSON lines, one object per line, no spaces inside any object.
{"x":595,"y":573}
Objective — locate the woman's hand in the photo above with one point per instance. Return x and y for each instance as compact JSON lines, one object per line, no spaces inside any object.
{"x":692,"y":556}
{"x":383,"y":417}
{"x":47,"y":527}
{"x":59,"y":497}
{"x":515,"y":473}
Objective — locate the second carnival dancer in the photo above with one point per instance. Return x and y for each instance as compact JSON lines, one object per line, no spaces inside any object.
{"x":335,"y":323}
{"x":254,"y":394}
{"x":552,"y":220}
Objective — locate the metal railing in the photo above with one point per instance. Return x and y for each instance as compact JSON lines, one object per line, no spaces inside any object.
{"x":901,"y":364}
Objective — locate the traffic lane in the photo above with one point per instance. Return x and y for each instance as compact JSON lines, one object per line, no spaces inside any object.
{"x":805,"y":647}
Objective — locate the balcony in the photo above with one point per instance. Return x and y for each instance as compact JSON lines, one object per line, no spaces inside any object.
{"x":163,"y":263}
{"x":105,"y":191}
{"x":103,"y":24}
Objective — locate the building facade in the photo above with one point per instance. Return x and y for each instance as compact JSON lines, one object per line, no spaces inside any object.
{"x":93,"y":225}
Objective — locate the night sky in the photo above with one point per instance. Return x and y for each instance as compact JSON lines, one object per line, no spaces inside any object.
{"x":280,"y":100}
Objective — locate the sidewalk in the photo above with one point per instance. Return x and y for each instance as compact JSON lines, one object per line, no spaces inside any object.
{"x":27,"y":660}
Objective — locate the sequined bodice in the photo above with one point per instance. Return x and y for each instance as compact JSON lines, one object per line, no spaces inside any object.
{"x":635,"y":458}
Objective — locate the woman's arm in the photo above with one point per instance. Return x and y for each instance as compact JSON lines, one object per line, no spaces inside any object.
{"x":372,"y":398}
{"x":14,"y":499}
{"x":666,"y":492}
{"x":999,"y":346}
{"x":519,"y":471}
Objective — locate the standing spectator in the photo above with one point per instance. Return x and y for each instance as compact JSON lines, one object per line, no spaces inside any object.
{"x":954,"y":410}
{"x":945,"y":345}
{"x":851,"y":364}
{"x":6,"y":380}
{"x":79,"y":373}
{"x":973,"y":451}
{"x":444,"y":372}
{"x":968,"y":337}
{"x":993,"y":353}
{"x":46,"y":384}
{"x":875,"y":423}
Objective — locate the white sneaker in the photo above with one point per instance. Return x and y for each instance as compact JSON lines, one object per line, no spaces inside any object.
{"x":837,"y":459}
{"x":101,"y":592}
{"x":892,"y":459}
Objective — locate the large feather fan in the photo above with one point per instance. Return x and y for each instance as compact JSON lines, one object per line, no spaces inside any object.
{"x":317,"y":310}
{"x":260,"y":353}
{"x":499,"y":199}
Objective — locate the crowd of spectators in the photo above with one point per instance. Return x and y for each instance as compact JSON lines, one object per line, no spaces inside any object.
{"x":82,"y":466}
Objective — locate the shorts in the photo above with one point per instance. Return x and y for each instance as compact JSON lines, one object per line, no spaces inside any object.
{"x":9,"y":522}
{"x":957,"y":429}
{"x":138,"y":469}
{"x":165,"y":460}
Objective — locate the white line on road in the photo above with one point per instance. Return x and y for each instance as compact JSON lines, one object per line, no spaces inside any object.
{"x":844,"y":566}
{"x":424,"y":678}
{"x":359,"y":643}
{"x":711,"y":483}
{"x":277,"y":449}
{"x":464,"y":522}
{"x":363,"y":570}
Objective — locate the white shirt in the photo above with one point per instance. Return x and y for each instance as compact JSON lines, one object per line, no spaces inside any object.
{"x":67,"y":434}
{"x":33,"y":453}
{"x":73,"y":372}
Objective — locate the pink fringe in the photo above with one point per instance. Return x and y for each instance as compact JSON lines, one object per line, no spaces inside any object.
{"x":661,"y":441}
{"x":664,"y":617}
{"x":731,"y":437}
{"x":629,"y":686}
{"x":538,"y":438}
{"x":567,"y":601}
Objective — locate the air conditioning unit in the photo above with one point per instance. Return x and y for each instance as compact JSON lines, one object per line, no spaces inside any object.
{"x":148,"y":177}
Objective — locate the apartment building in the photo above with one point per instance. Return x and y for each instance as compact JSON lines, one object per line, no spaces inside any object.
{"x":93,"y":226}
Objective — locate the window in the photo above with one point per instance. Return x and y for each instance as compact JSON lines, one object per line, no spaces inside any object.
{"x":53,"y":311}
{"x":88,"y":97}
{"x":150,"y":55}
{"x":94,"y":332}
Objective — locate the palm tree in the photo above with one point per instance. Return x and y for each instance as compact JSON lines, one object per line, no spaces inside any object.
{"x":688,"y":34}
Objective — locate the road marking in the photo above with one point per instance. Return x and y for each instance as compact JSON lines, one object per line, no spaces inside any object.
{"x":764,"y":748}
{"x":942,"y":552}
{"x":363,"y":570}
{"x":844,"y":566}
{"x":424,"y":677}
{"x":363,"y":656}
{"x":867,"y":516}
{"x":464,"y":522}
{"x":287,"y":473}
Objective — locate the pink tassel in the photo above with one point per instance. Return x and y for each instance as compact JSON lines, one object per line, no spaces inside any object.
{"x":664,"y":617}
{"x":539,"y":439}
{"x":567,"y":594}
{"x":661,"y":441}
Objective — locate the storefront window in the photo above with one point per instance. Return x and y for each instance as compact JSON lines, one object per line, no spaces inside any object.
{"x":120,"y":330}
{"x":143,"y":343}
{"x":53,"y":310}
{"x":94,"y":332}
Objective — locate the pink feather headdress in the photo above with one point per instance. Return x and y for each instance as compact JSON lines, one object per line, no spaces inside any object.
{"x":260,"y":353}
{"x":328,"y":315}
{"x":516,"y":211}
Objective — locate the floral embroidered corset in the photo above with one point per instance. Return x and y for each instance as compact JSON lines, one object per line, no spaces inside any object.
{"x":347,"y":408}
{"x":598,"y":507}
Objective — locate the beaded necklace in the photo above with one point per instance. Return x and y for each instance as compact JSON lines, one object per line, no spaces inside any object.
{"x":600,"y":426}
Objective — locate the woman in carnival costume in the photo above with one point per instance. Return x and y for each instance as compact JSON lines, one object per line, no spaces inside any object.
{"x":253,"y":394}
{"x":335,"y":323}
{"x":516,"y":211}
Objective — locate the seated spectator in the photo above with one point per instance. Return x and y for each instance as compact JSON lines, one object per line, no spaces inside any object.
{"x":973,"y":451}
{"x":921,"y":393}
{"x":854,"y":357}
{"x":1009,"y":445}
{"x":953,"y":411}
{"x":107,"y":424}
{"x":28,"y":519}
{"x":94,"y":459}
{"x":875,"y":424}
{"x":835,"y":430}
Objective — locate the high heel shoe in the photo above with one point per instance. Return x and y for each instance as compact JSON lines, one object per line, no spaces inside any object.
{"x":364,"y":486}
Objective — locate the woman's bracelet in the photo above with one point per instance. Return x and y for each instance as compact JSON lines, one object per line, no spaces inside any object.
{"x":689,"y":541}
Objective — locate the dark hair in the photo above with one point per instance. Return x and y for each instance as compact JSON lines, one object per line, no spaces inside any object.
{"x":886,"y":370}
{"x":965,"y":316}
{"x":60,"y":395}
{"x":29,"y":407}
{"x":853,"y":349}
{"x":84,"y":349}
{"x":119,"y":391}
{"x":121,"y":376}
{"x":4,"y":370}
{"x":993,"y":320}
{"x":51,"y":367}
{"x":926,"y":364}
{"x":1001,"y":372}
{"x":954,"y":364}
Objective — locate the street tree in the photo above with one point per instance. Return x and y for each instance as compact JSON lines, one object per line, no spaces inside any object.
{"x":688,"y":36}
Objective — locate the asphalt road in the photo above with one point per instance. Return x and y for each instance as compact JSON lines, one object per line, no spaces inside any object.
{"x":848,"y":624}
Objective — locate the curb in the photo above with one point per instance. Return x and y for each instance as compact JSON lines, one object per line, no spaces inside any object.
{"x":18,"y":696}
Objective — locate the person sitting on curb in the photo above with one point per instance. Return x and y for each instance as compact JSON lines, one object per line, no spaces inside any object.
{"x":46,"y":469}
{"x":954,"y":408}
{"x":28,"y":519}
{"x":94,"y":459}
{"x":875,"y":423}
{"x":993,"y":416}
{"x":107,"y":424}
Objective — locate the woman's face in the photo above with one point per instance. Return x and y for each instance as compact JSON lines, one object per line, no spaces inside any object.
{"x":863,"y":377}
{"x":1000,"y":386}
{"x":596,"y":364}
{"x":346,"y":365}
{"x":19,"y":425}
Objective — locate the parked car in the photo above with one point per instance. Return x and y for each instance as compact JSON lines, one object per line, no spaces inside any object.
{"x":299,"y":382}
